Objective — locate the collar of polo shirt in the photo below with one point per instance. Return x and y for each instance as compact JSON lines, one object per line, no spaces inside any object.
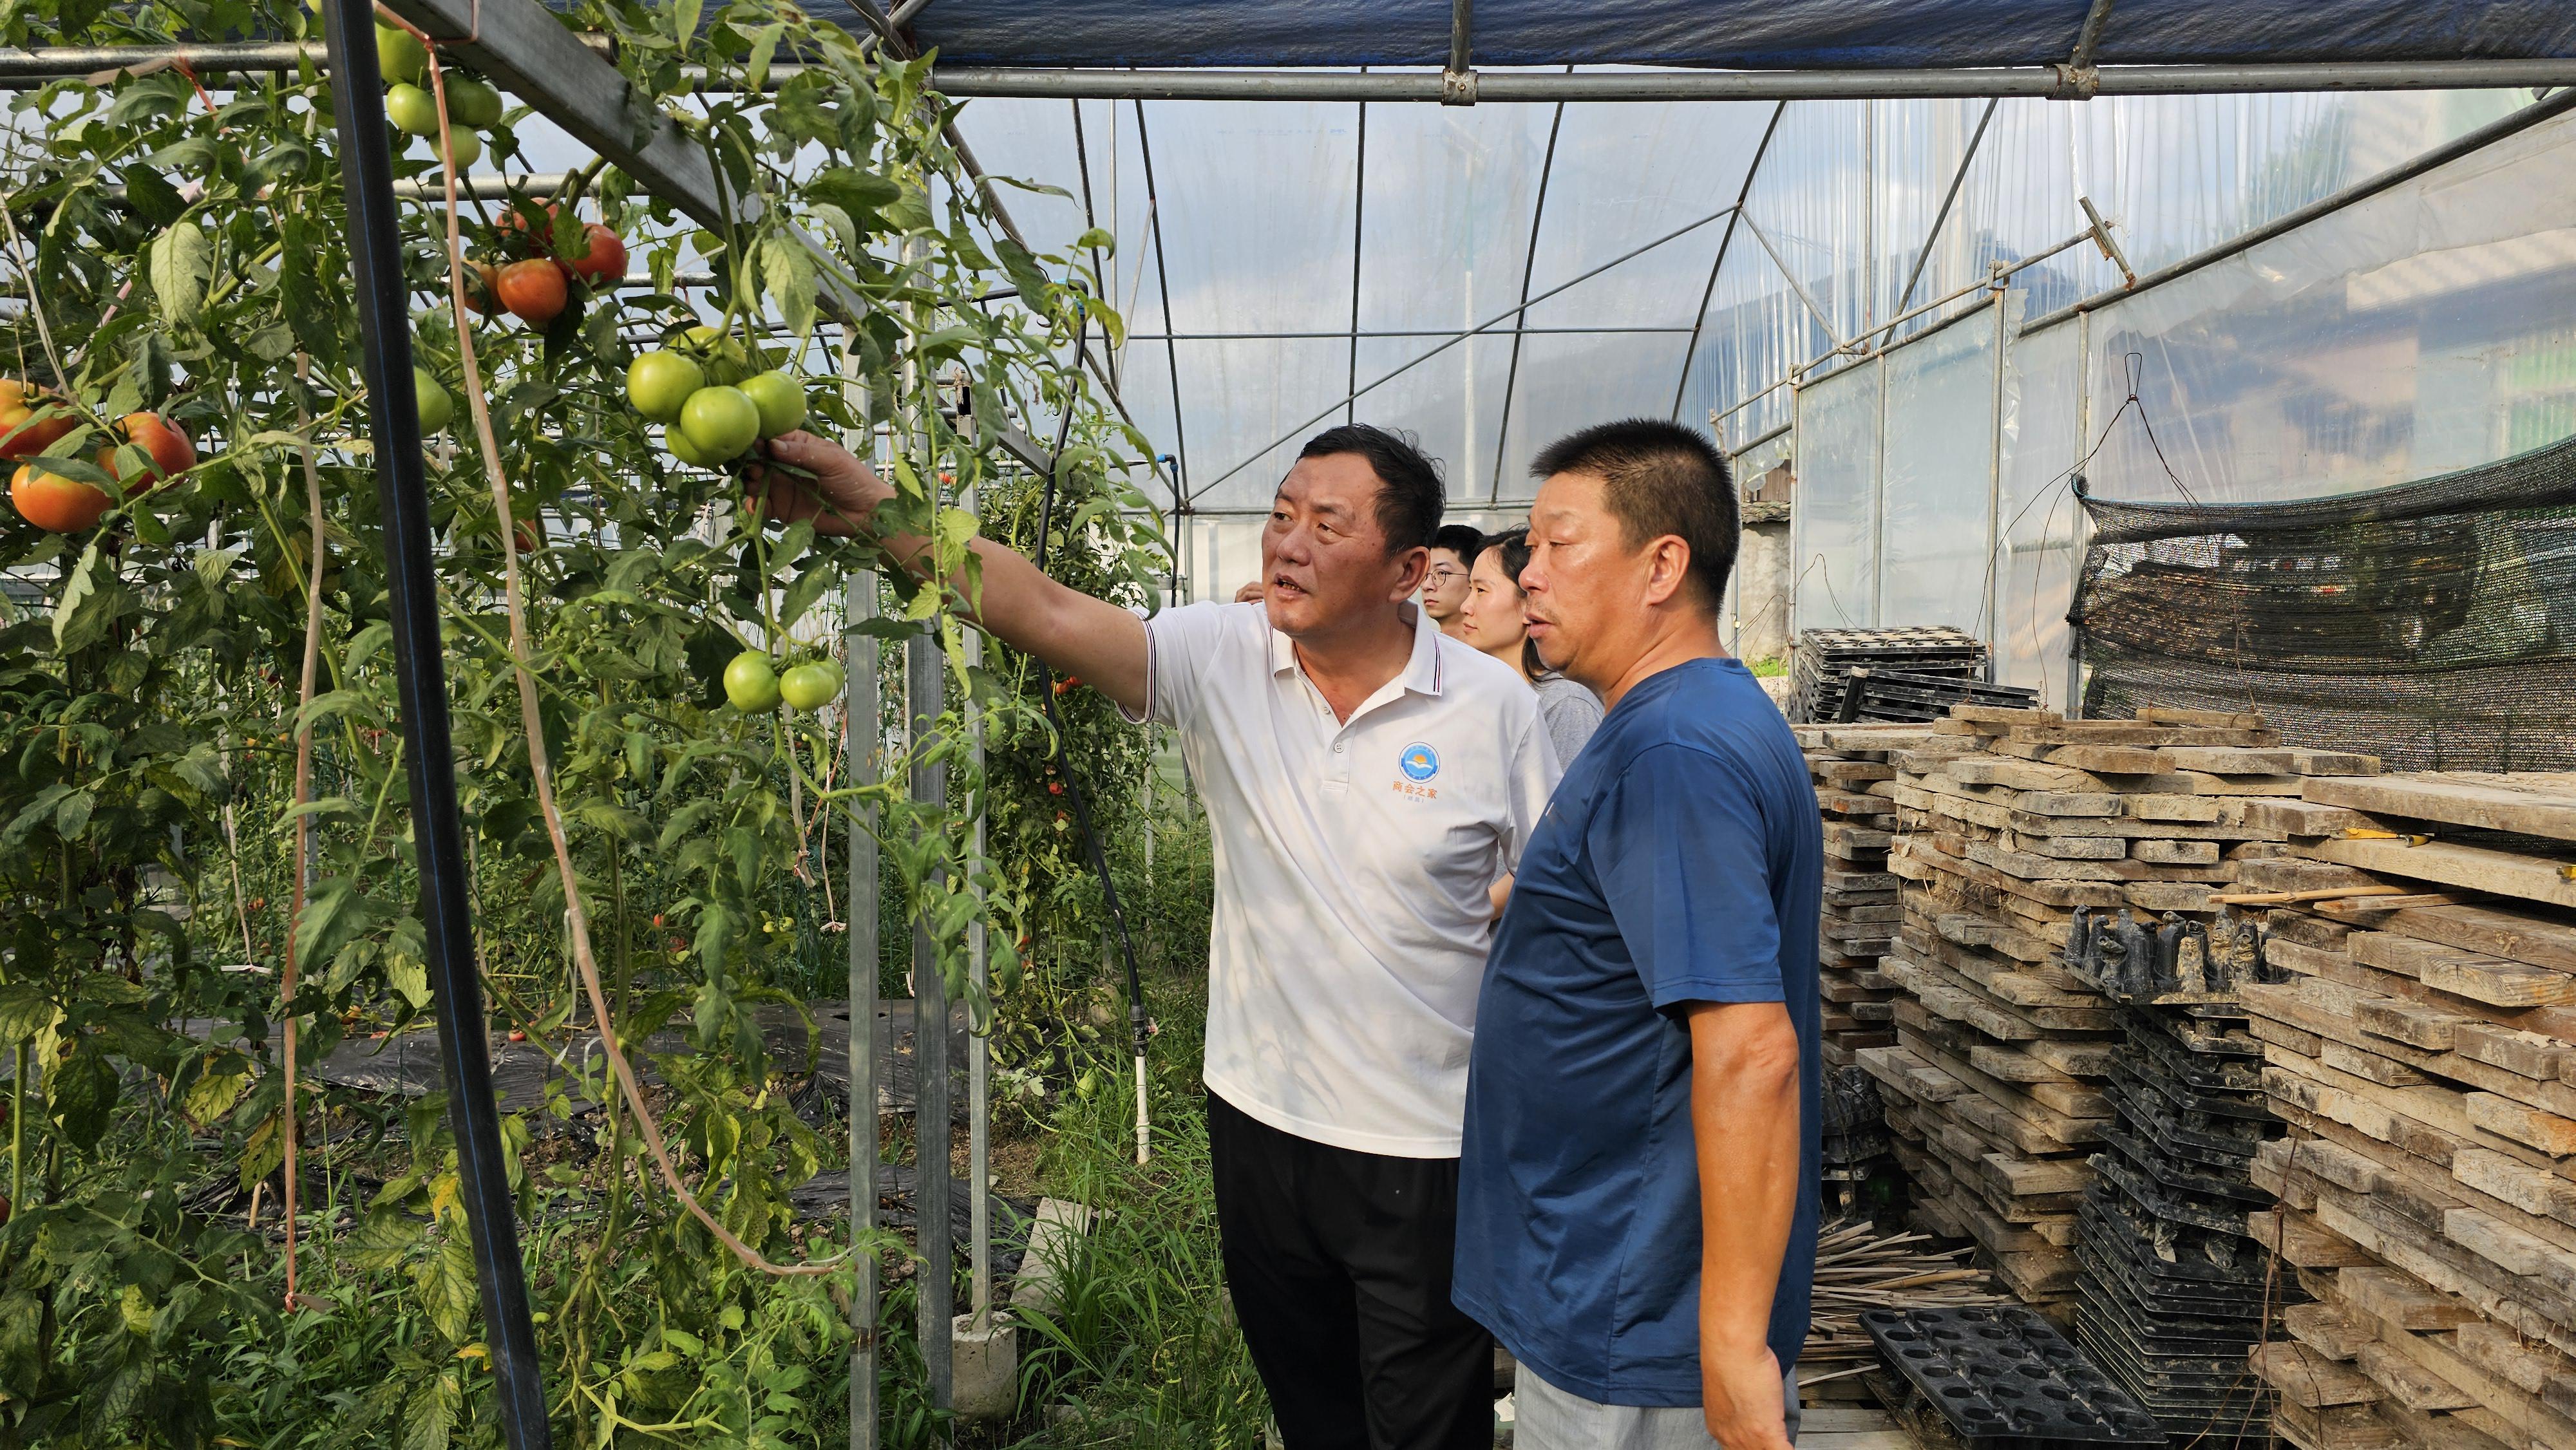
{"x":1421,"y":672}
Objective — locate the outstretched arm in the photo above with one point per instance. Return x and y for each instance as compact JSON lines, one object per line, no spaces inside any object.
{"x":1070,"y":630}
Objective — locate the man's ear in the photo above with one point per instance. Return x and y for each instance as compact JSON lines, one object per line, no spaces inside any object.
{"x":1667,"y":567}
{"x":1416,"y":567}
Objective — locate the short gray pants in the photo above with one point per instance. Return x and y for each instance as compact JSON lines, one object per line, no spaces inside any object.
{"x":1548,"y":1418}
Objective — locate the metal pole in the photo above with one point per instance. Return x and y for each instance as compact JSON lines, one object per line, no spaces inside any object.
{"x":402,"y":490}
{"x":1699,"y":319}
{"x":1359,"y":231}
{"x":1520,"y":319}
{"x":979,"y":1045}
{"x":1163,"y":284}
{"x":923,"y":679}
{"x":2042,"y":82}
{"x":866,"y":729}
{"x":1941,"y":218}
{"x":1994,"y":485}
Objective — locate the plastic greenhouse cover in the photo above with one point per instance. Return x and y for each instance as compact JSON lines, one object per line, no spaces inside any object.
{"x":1746,"y":34}
{"x":1236,"y":270}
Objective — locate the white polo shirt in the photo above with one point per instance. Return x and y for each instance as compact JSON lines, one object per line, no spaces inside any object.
{"x":1353,"y":861}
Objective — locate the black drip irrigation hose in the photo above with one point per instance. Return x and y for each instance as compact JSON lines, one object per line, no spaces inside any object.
{"x":1137,"y":1021}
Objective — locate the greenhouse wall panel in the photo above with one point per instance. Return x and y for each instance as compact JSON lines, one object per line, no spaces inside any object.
{"x":1834,"y":545}
{"x":1939,"y":477}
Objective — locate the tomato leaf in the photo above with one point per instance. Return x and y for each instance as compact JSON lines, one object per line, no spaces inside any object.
{"x":181,"y":258}
{"x":787,"y":266}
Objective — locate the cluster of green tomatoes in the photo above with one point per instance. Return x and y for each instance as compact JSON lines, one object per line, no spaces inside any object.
{"x":473,"y":106}
{"x":711,"y":402}
{"x":755,"y":687}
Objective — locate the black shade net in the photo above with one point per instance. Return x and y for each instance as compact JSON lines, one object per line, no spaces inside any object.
{"x":2432,"y":623}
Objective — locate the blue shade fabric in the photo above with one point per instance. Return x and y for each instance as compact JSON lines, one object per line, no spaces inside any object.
{"x":1738,"y":34}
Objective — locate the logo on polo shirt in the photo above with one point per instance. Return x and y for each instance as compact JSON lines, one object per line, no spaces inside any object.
{"x":1418,"y":762}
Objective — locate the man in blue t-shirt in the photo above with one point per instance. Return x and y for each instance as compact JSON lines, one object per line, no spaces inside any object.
{"x":1637,"y":1193}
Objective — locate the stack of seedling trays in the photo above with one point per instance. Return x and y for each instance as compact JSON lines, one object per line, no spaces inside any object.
{"x":2174,"y":1290}
{"x":1825,"y":658}
{"x":2000,"y":1378}
{"x":1878,"y":693}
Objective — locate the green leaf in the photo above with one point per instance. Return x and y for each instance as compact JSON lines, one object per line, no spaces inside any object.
{"x":80,"y":591}
{"x":24,"y":1011}
{"x":446,"y":1282}
{"x":838,"y":223}
{"x":764,"y":45}
{"x":72,"y":816}
{"x":81,"y":1094}
{"x":335,"y":914}
{"x":429,"y":1417}
{"x":152,"y":195}
{"x":382,"y":1241}
{"x":181,"y":260}
{"x":219,"y":1085}
{"x":788,"y":268}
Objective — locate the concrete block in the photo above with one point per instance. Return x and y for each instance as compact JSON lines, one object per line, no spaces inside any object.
{"x":987,"y":1368}
{"x":1052,"y":1237}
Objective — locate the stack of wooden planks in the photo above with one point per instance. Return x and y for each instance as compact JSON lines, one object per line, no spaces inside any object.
{"x":1852,"y":774}
{"x":2008,"y":823}
{"x":2423,"y":1048}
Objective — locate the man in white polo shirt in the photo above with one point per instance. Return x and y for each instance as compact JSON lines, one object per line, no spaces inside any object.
{"x":1367,"y":780}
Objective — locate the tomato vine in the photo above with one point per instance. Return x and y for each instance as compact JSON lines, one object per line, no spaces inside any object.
{"x":204,"y":867}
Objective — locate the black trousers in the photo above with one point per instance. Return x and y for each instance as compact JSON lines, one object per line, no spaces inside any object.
{"x":1339,"y":1265}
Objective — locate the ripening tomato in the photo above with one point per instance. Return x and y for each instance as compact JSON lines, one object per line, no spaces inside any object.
{"x":482,"y":288}
{"x":55,"y":503}
{"x":533,"y":291}
{"x":22,"y":433}
{"x":513,"y":227}
{"x":168,"y":449}
{"x":603,"y":264}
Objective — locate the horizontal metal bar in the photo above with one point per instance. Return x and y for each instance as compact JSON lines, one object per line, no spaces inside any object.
{"x":1715,"y":85}
{"x":1343,"y":333}
{"x":22,"y":70}
{"x":1756,"y":441}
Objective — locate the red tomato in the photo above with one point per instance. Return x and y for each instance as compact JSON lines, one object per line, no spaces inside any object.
{"x":533,"y":291}
{"x":55,"y":503}
{"x":170,"y":449}
{"x":605,"y":261}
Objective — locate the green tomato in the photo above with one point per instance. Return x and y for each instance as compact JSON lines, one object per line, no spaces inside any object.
{"x":723,"y":356}
{"x":781,"y":400}
{"x":400,"y":55}
{"x":472,"y":103}
{"x":413,"y":110}
{"x":658,"y":384}
{"x":469,"y":147}
{"x":721,"y":421}
{"x":811,"y":686}
{"x":686,"y":451}
{"x":751,"y":683}
{"x":436,"y":407}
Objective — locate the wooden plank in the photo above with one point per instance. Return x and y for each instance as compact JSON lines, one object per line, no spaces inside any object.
{"x":2409,"y":1383}
{"x":2229,"y":760}
{"x":2534,"y":804}
{"x":2122,"y":732}
{"x":2305,"y":818}
{"x":2111,"y":759}
{"x":2329,"y":1330}
{"x":2176,"y":853}
{"x":2496,"y":930}
{"x":2480,"y":868}
{"x":2523,"y":1123}
{"x":2308,"y":1379}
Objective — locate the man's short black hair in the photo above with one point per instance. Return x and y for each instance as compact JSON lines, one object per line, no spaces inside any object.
{"x":1409,"y":498}
{"x":1460,"y":540}
{"x":1659,"y":478}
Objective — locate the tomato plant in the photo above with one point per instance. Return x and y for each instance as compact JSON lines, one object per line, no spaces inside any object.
{"x":203,"y":826}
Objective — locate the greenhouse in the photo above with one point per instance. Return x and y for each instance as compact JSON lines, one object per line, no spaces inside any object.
{"x":561,"y":729}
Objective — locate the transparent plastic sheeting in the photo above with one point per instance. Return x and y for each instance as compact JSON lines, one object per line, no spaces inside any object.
{"x":1744,"y":34}
{"x":1938,"y":483}
{"x":1833,"y":521}
{"x":2428,"y":328}
{"x":1271,"y":214}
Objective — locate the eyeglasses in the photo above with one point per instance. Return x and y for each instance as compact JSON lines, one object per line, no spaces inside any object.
{"x":1445,"y":574}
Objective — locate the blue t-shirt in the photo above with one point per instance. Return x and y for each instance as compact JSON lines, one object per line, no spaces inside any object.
{"x":1680,"y":861}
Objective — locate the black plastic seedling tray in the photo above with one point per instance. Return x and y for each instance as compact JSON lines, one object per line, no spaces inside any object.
{"x":2003,"y":1379}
